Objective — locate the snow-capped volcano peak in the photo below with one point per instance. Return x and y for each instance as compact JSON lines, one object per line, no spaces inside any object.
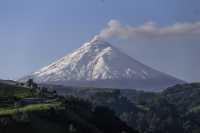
{"x":89,"y":62}
{"x":97,"y":62}
{"x":96,"y":40}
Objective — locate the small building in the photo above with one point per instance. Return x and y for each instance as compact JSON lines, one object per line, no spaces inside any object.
{"x":33,"y":100}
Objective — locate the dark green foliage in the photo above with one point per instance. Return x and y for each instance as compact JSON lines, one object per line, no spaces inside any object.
{"x":177,"y":109}
{"x":69,"y":115}
{"x":30,"y":83}
{"x":185,"y":97}
{"x":78,"y":116}
{"x":7,"y":90}
{"x":163,"y":117}
{"x":109,"y":123}
{"x":74,"y":103}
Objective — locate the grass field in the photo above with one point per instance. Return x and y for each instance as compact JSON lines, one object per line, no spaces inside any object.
{"x":15,"y":91}
{"x":29,"y":108}
{"x":8,"y":91}
{"x":195,"y":109}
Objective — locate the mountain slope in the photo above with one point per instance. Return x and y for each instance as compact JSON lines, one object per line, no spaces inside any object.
{"x":99,"y":64}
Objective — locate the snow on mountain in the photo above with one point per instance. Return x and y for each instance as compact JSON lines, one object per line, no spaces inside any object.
{"x":99,"y":64}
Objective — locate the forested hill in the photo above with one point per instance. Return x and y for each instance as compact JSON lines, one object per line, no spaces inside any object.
{"x":176,"y":109}
{"x":27,"y":108}
{"x":32,"y":108}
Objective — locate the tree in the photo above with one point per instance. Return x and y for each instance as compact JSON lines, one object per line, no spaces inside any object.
{"x":29,"y":83}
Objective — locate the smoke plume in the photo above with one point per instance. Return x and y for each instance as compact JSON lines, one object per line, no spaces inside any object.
{"x":150,"y":30}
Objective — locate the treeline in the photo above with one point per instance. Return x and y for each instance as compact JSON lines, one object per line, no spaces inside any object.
{"x":91,"y":110}
{"x":73,"y":115}
{"x":175,"y":110}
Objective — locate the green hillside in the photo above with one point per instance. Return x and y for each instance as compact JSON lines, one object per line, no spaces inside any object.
{"x":13,"y":90}
{"x":176,"y":109}
{"x":92,"y":110}
{"x":21,"y":112}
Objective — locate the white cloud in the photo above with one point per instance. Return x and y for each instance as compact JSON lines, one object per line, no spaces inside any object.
{"x":150,"y":30}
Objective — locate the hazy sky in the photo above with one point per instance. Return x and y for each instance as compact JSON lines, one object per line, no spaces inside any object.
{"x":164,"y":34}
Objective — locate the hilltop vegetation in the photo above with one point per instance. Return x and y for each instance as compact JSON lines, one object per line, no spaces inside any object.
{"x":21,"y":112}
{"x":92,"y":110}
{"x":176,"y":109}
{"x":13,"y":90}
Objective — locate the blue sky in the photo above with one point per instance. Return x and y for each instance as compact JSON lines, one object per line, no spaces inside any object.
{"x":33,"y":33}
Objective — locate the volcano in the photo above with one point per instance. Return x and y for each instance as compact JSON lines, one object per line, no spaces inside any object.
{"x":101,"y":65}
